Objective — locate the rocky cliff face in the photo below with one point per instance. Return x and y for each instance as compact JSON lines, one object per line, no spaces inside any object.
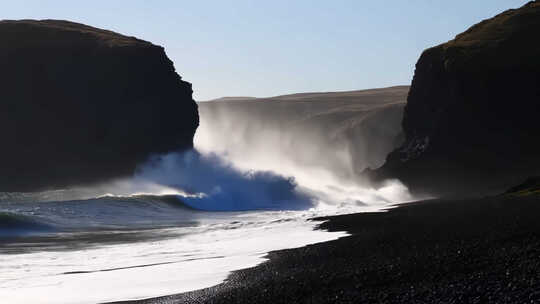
{"x":81,"y":105}
{"x":471,"y":119}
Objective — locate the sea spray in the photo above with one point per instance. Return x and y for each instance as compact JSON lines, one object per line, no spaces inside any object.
{"x":215,"y":185}
{"x":160,"y":227}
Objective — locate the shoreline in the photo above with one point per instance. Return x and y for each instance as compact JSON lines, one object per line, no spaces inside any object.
{"x":434,"y":251}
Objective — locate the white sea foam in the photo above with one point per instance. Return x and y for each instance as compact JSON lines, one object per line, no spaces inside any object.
{"x":202,"y":258}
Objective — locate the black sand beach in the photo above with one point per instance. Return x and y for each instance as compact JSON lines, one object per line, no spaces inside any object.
{"x":484,"y":250}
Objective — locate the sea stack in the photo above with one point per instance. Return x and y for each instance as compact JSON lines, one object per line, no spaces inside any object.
{"x":471,"y":120}
{"x":82,"y":105}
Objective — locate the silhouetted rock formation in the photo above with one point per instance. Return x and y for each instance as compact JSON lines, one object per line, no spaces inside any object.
{"x":471,"y":119}
{"x":80,"y":104}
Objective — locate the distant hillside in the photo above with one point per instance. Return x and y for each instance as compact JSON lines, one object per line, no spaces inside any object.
{"x":378,"y":95}
{"x":345,"y":131}
{"x":237,"y":98}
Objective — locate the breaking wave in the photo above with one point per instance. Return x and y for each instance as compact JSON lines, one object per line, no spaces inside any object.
{"x":12,"y":224}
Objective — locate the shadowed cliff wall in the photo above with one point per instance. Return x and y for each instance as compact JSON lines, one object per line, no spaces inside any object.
{"x":81,"y":105}
{"x":471,"y":119}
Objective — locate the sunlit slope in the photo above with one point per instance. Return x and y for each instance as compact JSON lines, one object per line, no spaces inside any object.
{"x":341,"y":131}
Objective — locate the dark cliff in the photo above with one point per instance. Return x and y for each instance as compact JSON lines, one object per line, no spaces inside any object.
{"x":471,"y":119}
{"x":81,"y":105}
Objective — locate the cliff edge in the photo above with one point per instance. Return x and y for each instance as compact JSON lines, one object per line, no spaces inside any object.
{"x":82,"y":105}
{"x":471,"y":118}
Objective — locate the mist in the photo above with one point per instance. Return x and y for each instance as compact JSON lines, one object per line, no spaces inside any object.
{"x":286,"y":153}
{"x":210,"y":183}
{"x":321,"y":146}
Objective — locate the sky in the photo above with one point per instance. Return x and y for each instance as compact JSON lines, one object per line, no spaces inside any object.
{"x":267,"y":48}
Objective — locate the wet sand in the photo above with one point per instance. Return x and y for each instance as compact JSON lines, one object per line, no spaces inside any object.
{"x":437,"y":251}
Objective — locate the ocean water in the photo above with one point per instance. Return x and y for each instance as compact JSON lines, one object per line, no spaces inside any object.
{"x":119,"y":248}
{"x":183,"y":222}
{"x":74,"y":246}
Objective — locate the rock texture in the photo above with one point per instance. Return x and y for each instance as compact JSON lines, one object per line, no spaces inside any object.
{"x":80,"y":104}
{"x":471,"y":119}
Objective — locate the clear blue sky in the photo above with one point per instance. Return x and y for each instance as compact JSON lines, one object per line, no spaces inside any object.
{"x":265,"y":48}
